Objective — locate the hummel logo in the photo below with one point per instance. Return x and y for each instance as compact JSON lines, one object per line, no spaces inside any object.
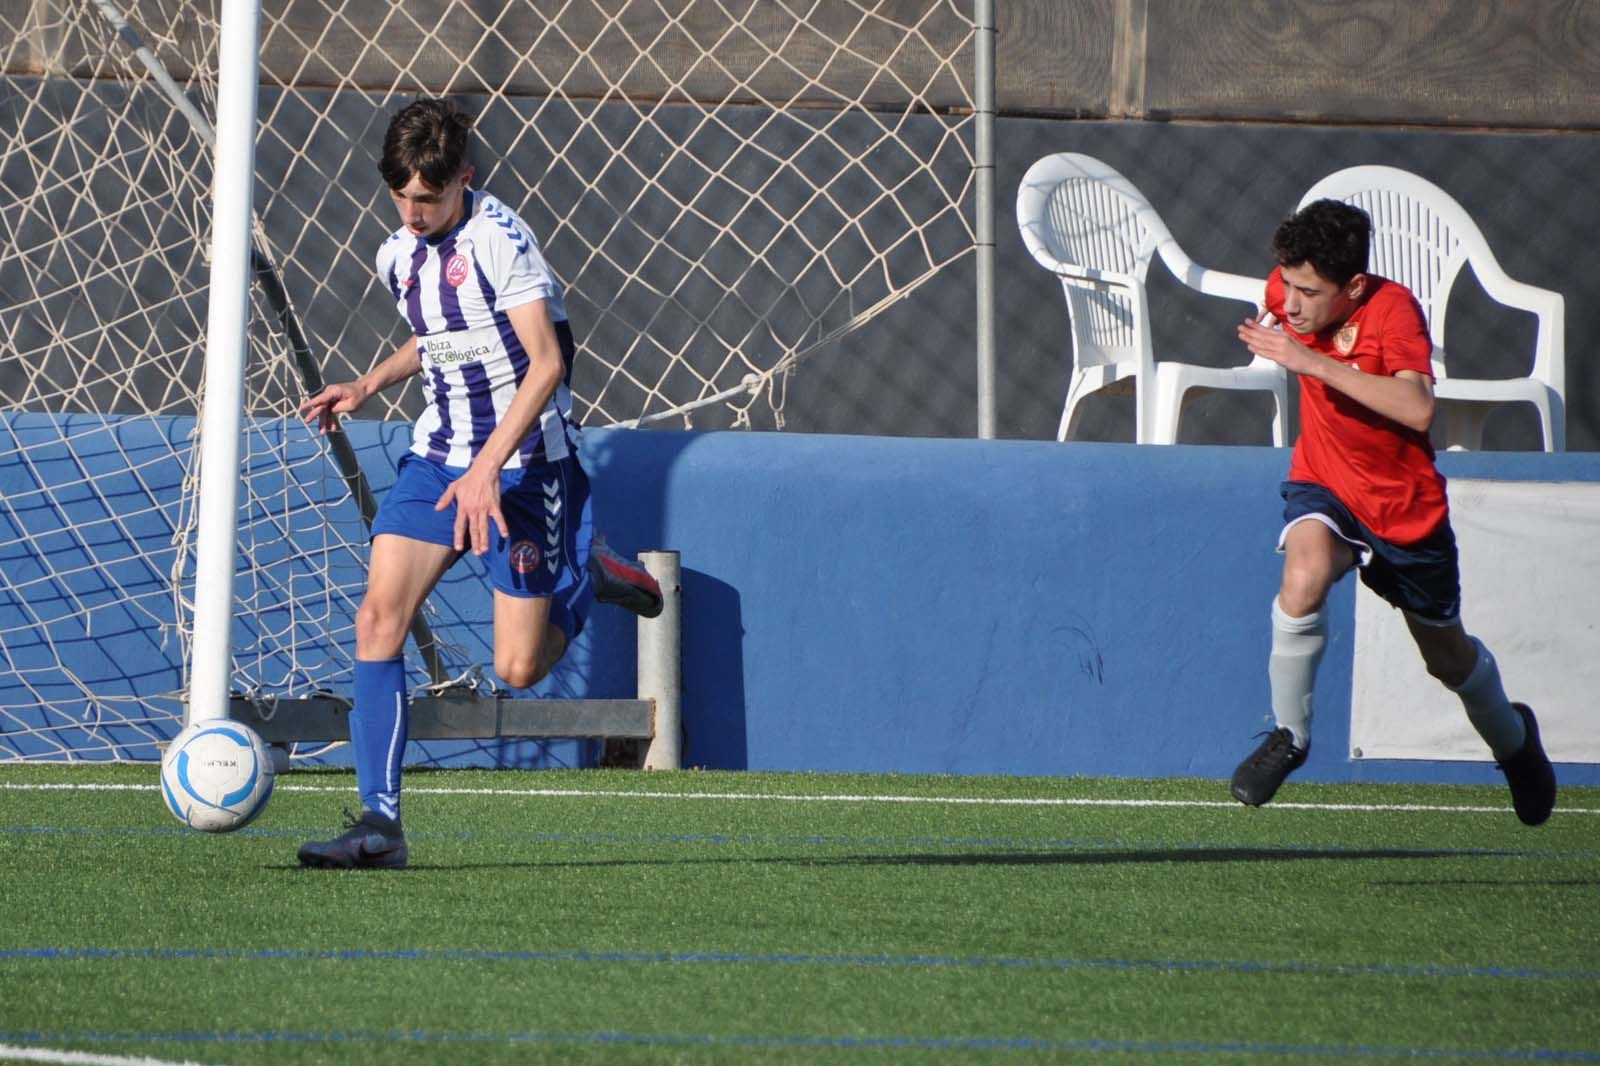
{"x":518,"y":239}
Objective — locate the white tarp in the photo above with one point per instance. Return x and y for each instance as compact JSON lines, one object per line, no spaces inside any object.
{"x":1530,"y":588}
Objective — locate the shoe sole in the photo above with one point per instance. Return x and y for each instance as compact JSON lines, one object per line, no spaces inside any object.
{"x":1239,"y":794}
{"x":390,"y":861}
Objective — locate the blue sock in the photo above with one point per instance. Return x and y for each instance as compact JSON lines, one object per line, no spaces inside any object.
{"x":378,"y":733}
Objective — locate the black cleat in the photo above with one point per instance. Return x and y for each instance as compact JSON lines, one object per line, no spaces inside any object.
{"x":623,"y":582}
{"x":371,"y":841}
{"x":1530,"y":775}
{"x":1257,"y":779}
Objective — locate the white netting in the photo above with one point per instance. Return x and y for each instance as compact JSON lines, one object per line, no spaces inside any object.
{"x":724,"y":188}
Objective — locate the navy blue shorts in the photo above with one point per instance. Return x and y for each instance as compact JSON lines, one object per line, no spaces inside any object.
{"x":546,"y":506}
{"x":1422,"y":579}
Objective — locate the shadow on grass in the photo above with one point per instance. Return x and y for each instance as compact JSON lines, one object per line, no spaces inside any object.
{"x":1007,"y":858}
{"x":1151,"y":855}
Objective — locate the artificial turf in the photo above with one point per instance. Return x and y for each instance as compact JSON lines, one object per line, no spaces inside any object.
{"x":608,"y":916}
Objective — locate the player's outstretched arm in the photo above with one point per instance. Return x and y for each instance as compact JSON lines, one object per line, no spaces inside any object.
{"x":323,"y":409}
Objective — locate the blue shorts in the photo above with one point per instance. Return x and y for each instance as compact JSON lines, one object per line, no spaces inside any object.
{"x":546,"y":506}
{"x":1422,"y":579}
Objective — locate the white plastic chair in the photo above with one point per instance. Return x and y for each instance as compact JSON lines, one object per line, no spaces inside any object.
{"x":1094,"y":230}
{"x":1421,"y":237}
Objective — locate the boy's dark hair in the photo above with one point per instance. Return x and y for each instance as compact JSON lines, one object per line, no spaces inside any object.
{"x":428,"y":138}
{"x":1330,"y":235}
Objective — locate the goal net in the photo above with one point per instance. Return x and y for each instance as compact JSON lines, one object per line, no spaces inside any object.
{"x":726,"y":188}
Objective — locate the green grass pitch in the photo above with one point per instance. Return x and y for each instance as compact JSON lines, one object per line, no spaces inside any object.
{"x":608,"y":916}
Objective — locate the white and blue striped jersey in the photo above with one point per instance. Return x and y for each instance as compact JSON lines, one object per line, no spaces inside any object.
{"x":455,"y":290}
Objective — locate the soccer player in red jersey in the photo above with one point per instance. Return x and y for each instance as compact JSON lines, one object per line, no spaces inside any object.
{"x":1363,"y":492}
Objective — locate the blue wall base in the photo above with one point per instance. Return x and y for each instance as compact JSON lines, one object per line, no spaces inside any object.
{"x":975,"y":607}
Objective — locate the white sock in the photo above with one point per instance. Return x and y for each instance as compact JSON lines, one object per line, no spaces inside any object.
{"x":1297,"y":645}
{"x":1491,"y":714}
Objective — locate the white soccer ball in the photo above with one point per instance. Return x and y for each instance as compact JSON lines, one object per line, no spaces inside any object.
{"x":216,"y":775}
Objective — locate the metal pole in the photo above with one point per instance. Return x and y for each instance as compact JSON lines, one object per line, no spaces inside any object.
{"x":983,"y":164}
{"x":272,"y":288}
{"x":661,"y":663}
{"x":211,"y":655}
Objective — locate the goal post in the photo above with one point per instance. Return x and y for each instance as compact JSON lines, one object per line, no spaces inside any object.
{"x":726,"y":191}
{"x":222,"y":397}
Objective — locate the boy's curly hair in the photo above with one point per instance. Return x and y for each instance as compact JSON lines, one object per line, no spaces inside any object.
{"x":1330,"y":235}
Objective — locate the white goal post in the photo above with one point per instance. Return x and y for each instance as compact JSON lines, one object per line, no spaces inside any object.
{"x":726,"y":189}
{"x":222,"y":399}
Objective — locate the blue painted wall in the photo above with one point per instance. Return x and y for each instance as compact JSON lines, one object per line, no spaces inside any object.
{"x":881,"y":604}
{"x":957,"y":606}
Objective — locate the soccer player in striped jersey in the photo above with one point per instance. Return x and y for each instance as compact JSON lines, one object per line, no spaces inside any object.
{"x":493,"y":466}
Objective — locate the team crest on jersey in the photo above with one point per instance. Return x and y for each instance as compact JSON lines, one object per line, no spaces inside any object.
{"x":525,"y":557}
{"x":1345,"y":339}
{"x":455,"y":271}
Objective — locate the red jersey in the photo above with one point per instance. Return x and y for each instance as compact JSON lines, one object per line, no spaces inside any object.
{"x":1383,"y":471}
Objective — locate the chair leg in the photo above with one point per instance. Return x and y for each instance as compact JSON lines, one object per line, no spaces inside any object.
{"x":1165,"y":410}
{"x":1463,"y":426}
{"x":1079,"y":387}
{"x":1552,"y":423}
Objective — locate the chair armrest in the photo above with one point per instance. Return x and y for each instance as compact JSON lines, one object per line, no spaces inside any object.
{"x":1548,"y":306}
{"x":1248,"y":290}
{"x":1239,"y":287}
{"x":1502,"y":288}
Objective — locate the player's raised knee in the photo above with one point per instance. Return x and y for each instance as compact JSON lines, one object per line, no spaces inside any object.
{"x":520,"y":671}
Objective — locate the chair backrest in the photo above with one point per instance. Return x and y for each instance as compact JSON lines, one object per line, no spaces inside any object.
{"x":1088,"y":224}
{"x":1421,"y":236}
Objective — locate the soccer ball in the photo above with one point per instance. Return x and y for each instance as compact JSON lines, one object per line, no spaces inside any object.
{"x":216,"y":775}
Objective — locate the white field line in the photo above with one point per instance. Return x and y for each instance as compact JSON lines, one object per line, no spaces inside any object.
{"x":13,"y":1053}
{"x":778,"y":797}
